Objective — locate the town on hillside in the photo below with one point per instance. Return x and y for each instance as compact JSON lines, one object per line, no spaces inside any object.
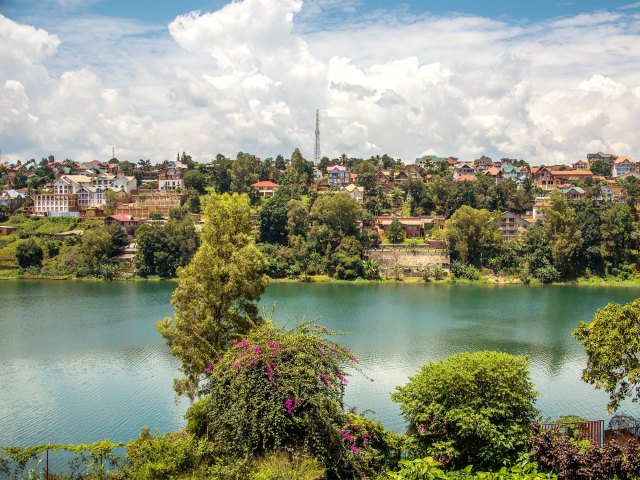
{"x":399,"y":216}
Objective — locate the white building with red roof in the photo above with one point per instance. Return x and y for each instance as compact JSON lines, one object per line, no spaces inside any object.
{"x":265,"y":188}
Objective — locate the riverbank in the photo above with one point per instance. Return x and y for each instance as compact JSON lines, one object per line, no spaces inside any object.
{"x":593,"y":281}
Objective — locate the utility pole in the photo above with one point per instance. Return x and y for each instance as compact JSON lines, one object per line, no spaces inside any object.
{"x":113,"y":152}
{"x":316,"y":154}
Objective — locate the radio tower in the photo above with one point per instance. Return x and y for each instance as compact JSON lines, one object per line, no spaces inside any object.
{"x":316,"y":154}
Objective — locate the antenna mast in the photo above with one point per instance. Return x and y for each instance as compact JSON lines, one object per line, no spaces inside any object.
{"x":316,"y":154}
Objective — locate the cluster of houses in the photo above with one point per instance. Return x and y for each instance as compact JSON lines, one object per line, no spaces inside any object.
{"x":85,"y":189}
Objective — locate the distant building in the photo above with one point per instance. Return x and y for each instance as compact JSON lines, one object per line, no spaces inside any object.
{"x":355,"y":192}
{"x":337,"y":176}
{"x":623,"y":165}
{"x":512,"y":226}
{"x":128,"y":223}
{"x":265,"y":188}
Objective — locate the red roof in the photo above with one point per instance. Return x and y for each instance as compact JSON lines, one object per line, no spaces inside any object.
{"x":121,"y":217}
{"x":571,"y":173}
{"x":580,"y":162}
{"x":466,"y":178}
{"x":493,"y":171}
{"x":265,"y":183}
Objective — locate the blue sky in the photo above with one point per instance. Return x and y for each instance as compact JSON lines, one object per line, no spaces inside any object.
{"x":164,"y":11}
{"x":546,"y":81}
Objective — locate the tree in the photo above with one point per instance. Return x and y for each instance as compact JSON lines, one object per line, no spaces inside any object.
{"x":601,"y":168}
{"x":297,"y":218}
{"x":471,"y":408}
{"x":302,"y":169}
{"x":395,"y":232}
{"x":339,"y":212}
{"x":29,"y":253}
{"x":96,"y":247}
{"x":221,"y":173}
{"x":616,"y":229}
{"x":243,"y":173}
{"x":217,"y":291}
{"x":612,"y":344}
{"x":273,"y":219}
{"x":473,"y":234}
{"x":195,"y":180}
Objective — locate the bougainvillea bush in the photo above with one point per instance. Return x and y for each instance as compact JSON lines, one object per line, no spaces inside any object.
{"x":282,"y":390}
{"x":574,"y":459}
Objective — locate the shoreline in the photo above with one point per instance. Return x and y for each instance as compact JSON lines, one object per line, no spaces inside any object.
{"x":325,"y":279}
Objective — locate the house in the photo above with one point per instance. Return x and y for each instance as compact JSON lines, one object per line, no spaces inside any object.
{"x":71,"y":184}
{"x":317,"y":175}
{"x":338,"y":176}
{"x":47,"y":203}
{"x":429,"y":160}
{"x":12,"y":199}
{"x":494,"y":173}
{"x":467,"y":178}
{"x":483,"y":162}
{"x":355,"y":192}
{"x":383,"y":179}
{"x":572,"y":193}
{"x":580,"y":165}
{"x":128,"y":223}
{"x":512,"y":226}
{"x":622,"y":165}
{"x":464,"y":168}
{"x":170,"y":179}
{"x":125,"y":183}
{"x":414,"y":227}
{"x":610,"y":193}
{"x":511,"y":172}
{"x":548,"y":179}
{"x":265,"y":188}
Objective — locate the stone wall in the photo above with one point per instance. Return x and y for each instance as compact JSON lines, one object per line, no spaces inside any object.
{"x":410,"y":260}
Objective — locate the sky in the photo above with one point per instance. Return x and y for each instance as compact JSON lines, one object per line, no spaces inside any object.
{"x":546,"y":81}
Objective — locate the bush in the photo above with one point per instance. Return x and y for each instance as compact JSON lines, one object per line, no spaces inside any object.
{"x":428,"y":468}
{"x":29,"y":253}
{"x":276,"y":390}
{"x":164,"y":456}
{"x":463,"y":270}
{"x":470,"y":409}
{"x":578,"y":460}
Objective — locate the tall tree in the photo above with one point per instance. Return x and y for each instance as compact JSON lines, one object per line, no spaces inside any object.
{"x":395,"y":232}
{"x":243,"y":173}
{"x":473,"y":234}
{"x":215,"y":300}
{"x":612,"y":343}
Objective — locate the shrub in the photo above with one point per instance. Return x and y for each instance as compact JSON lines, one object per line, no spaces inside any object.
{"x":470,"y":409}
{"x":464,"y":270}
{"x":578,"y":460}
{"x":29,"y":253}
{"x":276,"y":390}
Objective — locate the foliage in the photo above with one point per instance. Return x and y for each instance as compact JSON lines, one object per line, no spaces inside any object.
{"x":465,"y":271}
{"x":217,"y":291}
{"x":29,"y":253}
{"x":348,"y":261}
{"x":395,"y":232}
{"x":612,"y":345}
{"x":286,"y":466}
{"x":273,"y":219}
{"x":195,"y":180}
{"x":473,"y":235}
{"x":429,"y":469}
{"x":276,"y":389}
{"x":470,"y":409}
{"x":574,"y":459}
{"x":165,"y":456}
{"x":339,"y":212}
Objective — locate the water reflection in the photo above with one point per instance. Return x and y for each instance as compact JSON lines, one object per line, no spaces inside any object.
{"x":80,"y":361}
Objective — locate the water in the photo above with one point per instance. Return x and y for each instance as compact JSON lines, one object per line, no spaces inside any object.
{"x":81,"y":361}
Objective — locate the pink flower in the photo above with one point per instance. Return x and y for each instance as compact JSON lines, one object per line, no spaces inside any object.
{"x":354,"y":449}
{"x":208,"y":369}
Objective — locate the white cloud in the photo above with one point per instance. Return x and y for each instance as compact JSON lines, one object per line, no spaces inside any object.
{"x":250,"y":76}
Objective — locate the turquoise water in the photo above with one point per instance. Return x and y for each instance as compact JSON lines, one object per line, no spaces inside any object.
{"x":81,"y":361}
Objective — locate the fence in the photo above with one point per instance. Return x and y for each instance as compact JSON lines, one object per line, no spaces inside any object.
{"x":591,"y":430}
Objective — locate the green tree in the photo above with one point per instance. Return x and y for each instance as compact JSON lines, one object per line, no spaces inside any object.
{"x":243,"y":173}
{"x":473,"y":235}
{"x":395,"y":232}
{"x":273,"y":219}
{"x":297,"y":218}
{"x":474,"y":408}
{"x":195,"y":180}
{"x":348,"y":259}
{"x":601,"y":168}
{"x":566,"y":238}
{"x":302,"y":169}
{"x":616,"y":229}
{"x":217,"y":291}
{"x":96,"y":247}
{"x":339,"y":212}
{"x":612,"y":344}
{"x":29,"y":253}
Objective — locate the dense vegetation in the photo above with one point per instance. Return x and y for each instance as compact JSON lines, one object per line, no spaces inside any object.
{"x":268,"y":400}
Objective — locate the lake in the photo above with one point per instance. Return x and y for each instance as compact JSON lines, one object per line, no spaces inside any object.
{"x":81,"y":361}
